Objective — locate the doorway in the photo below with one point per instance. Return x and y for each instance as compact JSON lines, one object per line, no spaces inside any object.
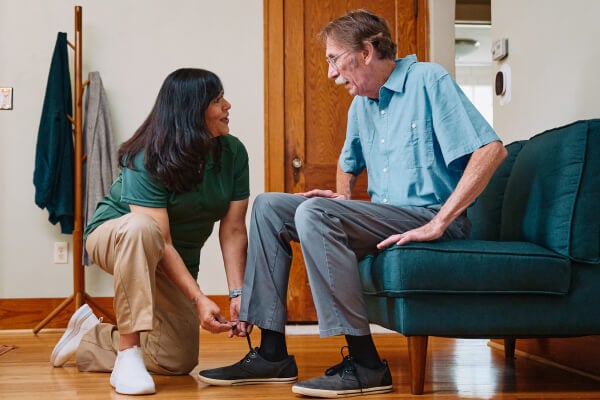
{"x":473,"y":59}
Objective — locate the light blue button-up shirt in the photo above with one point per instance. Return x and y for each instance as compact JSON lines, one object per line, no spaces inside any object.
{"x":416,"y":140}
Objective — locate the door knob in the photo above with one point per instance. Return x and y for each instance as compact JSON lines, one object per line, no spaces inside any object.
{"x":296,"y":164}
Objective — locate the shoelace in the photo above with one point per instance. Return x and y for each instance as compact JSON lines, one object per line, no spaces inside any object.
{"x":345,"y":367}
{"x":247,"y":337}
{"x":249,"y":342}
{"x":252,"y":350}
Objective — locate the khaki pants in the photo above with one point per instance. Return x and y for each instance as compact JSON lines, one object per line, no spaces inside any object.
{"x":130,"y":248}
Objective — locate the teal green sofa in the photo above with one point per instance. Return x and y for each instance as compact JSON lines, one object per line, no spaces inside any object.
{"x":530,"y":269}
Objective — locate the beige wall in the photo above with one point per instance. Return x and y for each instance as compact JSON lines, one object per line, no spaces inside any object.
{"x":554,"y":57}
{"x":134,"y":44}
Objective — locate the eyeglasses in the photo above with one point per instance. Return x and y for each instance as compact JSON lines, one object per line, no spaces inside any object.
{"x":333,"y":60}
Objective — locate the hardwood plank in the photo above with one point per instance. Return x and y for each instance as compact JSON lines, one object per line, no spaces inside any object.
{"x":455,"y":369}
{"x":565,"y":351}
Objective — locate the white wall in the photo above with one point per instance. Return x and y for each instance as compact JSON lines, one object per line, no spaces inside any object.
{"x":134,"y":44}
{"x":554,"y":57}
{"x":441,"y":33}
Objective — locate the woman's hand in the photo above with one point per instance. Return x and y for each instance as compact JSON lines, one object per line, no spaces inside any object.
{"x":210,"y":316}
{"x":234,"y":313}
{"x":234,"y":308}
{"x":241,"y":329}
{"x":238,"y":328}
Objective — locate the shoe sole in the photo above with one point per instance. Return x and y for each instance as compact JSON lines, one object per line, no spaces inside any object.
{"x":246,"y":381}
{"x":129,"y":391}
{"x":73,"y":328}
{"x":121,"y":389}
{"x":340,"y":393}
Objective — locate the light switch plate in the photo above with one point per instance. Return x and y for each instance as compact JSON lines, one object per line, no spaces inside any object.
{"x":499,"y":49}
{"x":6,"y":96}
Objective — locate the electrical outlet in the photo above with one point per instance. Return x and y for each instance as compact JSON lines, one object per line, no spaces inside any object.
{"x":61,"y":252}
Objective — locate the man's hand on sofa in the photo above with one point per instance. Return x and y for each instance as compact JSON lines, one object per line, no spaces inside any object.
{"x":426,"y":233}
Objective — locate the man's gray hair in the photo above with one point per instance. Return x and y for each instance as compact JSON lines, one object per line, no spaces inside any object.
{"x":356,"y":28}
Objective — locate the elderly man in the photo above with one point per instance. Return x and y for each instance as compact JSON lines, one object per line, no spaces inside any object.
{"x":428,"y":154}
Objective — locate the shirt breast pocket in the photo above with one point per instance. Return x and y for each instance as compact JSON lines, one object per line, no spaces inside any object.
{"x":417,"y":148}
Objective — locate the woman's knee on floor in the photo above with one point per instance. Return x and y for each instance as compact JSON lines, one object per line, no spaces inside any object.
{"x":182,"y":366}
{"x":175,"y":360}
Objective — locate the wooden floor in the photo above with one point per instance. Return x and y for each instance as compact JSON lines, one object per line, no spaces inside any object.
{"x":456,"y":369}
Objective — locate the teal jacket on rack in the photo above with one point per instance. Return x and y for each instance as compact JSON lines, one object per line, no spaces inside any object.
{"x":54,"y":159}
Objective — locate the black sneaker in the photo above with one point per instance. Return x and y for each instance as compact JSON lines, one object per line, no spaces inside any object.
{"x":252,"y":369}
{"x":346,"y":379}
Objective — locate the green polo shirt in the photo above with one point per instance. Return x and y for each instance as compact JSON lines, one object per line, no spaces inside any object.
{"x":192,"y":215}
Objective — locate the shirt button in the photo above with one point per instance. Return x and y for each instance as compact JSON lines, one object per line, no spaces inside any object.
{"x":414,"y":125}
{"x":382,"y":112}
{"x":385,"y":169}
{"x":385,"y":200}
{"x":382,"y":141}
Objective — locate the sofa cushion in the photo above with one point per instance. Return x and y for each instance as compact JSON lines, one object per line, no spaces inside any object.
{"x":486,"y":213}
{"x":465,"y":266}
{"x":553,"y":193}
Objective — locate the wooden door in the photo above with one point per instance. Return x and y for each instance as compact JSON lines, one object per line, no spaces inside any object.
{"x":305,"y":113}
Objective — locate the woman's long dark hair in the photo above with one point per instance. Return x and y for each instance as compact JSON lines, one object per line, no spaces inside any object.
{"x":174,"y":137}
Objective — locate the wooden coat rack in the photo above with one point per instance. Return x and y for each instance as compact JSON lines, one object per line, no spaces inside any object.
{"x":79,"y":295}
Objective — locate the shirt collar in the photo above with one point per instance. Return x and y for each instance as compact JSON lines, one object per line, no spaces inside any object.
{"x":397,"y":78}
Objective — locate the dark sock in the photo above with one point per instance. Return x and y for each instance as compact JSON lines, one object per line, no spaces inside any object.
{"x":272,"y":345}
{"x":363,"y":350}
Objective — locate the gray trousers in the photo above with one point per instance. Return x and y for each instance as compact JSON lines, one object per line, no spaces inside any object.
{"x":334,"y":235}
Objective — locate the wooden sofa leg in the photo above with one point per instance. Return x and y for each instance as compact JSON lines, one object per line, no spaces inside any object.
{"x":417,"y":356}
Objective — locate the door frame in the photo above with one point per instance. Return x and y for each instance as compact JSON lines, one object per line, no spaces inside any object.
{"x":274,"y":75}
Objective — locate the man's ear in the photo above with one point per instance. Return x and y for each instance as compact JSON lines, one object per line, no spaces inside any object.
{"x":368,"y":53}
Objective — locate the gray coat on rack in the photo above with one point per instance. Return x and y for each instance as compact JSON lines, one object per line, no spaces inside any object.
{"x":101,"y":167}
